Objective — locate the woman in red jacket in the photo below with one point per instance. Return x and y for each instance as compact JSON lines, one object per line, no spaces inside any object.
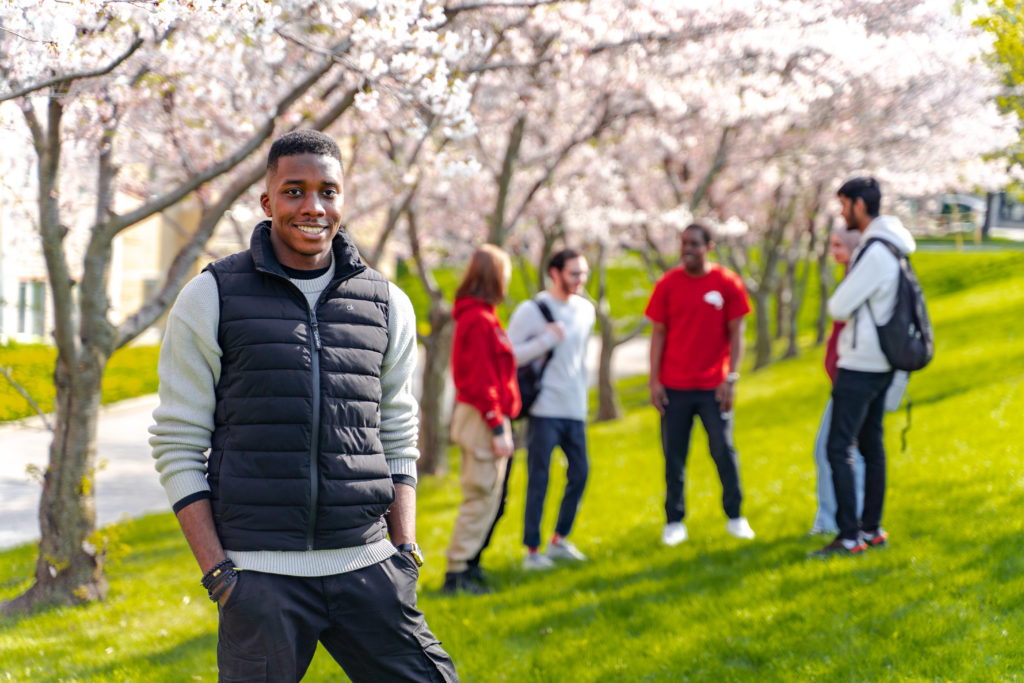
{"x":486,"y":398}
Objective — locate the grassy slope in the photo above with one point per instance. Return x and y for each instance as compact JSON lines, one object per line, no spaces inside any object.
{"x":943,"y":603}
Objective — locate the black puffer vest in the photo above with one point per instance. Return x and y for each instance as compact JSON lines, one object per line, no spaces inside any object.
{"x":296,"y":461}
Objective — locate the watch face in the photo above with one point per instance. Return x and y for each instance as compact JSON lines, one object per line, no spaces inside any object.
{"x":414,"y":550}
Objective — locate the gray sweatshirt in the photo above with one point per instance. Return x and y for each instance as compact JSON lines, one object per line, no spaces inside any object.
{"x":563,"y":388}
{"x":189,"y":369}
{"x":871,"y":281}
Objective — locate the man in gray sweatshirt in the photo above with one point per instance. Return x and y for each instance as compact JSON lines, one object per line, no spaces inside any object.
{"x":867,"y":294}
{"x":558,"y":416}
{"x":286,"y":441}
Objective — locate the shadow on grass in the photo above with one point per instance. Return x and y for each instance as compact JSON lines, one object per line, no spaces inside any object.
{"x":176,"y":663}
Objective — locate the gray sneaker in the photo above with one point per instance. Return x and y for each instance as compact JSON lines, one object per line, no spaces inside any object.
{"x":534,"y":561}
{"x":565,"y":549}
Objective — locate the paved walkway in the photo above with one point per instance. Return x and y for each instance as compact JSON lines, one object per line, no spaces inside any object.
{"x":127,"y":484}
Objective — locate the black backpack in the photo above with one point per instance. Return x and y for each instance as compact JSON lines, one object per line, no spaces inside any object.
{"x":528,"y":376}
{"x":907,"y":340}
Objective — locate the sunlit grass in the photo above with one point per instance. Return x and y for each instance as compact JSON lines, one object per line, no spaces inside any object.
{"x":945,"y":602}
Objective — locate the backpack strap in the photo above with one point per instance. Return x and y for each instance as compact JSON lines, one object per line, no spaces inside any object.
{"x":545,"y":311}
{"x":895,"y":252}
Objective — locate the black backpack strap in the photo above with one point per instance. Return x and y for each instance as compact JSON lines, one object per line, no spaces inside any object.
{"x":895,"y":252}
{"x":545,"y":311}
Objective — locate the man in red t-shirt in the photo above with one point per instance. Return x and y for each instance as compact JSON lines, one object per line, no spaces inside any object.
{"x":697,"y":311}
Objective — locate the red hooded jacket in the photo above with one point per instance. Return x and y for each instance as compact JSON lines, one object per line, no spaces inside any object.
{"x":483,"y":364}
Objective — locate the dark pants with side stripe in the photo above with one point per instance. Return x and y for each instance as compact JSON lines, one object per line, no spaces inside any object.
{"x":366,"y":619}
{"x":676,"y":425}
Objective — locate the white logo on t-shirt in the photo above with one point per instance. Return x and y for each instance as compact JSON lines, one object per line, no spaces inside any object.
{"x":714,"y":298}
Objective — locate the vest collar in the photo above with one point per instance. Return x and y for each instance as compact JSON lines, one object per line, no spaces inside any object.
{"x":347,"y":261}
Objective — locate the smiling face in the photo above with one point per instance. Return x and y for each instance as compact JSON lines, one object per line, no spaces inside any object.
{"x":303,"y":200}
{"x":694,"y":251}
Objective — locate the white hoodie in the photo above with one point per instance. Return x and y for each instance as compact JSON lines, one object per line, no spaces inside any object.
{"x":872,"y":281}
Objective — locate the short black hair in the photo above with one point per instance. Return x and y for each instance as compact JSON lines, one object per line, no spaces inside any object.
{"x":302,"y":142}
{"x":558,"y":259}
{"x":702,"y":229}
{"x":866,"y":188}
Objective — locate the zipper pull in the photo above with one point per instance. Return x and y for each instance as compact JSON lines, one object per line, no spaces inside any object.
{"x":316,"y":334}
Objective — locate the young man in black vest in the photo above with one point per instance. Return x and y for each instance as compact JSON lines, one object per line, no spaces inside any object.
{"x":290,"y":363}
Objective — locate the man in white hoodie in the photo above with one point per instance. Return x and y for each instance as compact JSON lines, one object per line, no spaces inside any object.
{"x":867,"y":294}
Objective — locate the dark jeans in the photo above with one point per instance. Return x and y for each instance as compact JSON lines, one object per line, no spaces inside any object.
{"x":676,"y":425}
{"x":366,"y":619}
{"x":542,"y":435}
{"x":475,"y":560}
{"x":858,"y":405}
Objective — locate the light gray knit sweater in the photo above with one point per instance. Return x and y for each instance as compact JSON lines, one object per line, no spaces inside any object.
{"x":189,"y":369}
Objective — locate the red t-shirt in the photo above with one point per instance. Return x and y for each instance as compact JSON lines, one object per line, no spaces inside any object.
{"x":696,"y":312}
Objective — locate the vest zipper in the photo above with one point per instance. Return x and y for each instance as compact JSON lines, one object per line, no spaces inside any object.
{"x":314,"y":448}
{"x":317,"y":346}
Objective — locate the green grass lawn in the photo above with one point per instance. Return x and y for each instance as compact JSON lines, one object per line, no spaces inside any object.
{"x":944,"y":602}
{"x":131,"y":372}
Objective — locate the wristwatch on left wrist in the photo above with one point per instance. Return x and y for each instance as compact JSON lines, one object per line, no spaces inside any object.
{"x":414,"y":550}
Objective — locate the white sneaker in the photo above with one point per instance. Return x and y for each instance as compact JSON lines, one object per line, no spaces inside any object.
{"x":534,"y":561}
{"x":739,"y":528}
{"x":674,"y":533}
{"x":565,"y":549}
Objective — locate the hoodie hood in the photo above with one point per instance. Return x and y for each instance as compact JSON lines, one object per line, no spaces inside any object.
{"x":891,"y":230}
{"x":468,"y":303}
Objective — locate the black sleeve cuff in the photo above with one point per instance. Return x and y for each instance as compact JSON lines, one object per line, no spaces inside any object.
{"x":188,"y":500}
{"x":404,"y":479}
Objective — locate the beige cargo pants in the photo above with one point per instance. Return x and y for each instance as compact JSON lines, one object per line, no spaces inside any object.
{"x":481,"y":478}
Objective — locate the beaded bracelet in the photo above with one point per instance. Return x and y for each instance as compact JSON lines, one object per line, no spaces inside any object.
{"x":210,"y":577}
{"x":229,"y":579}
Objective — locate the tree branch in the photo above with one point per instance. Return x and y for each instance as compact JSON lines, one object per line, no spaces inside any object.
{"x":716,"y":167}
{"x":118,"y":223}
{"x":6,"y":372}
{"x":515,"y":140}
{"x":68,"y":78}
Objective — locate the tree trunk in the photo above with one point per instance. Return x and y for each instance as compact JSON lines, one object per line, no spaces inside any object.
{"x":69,"y":567}
{"x":824,"y":284}
{"x":434,"y":416}
{"x":763,"y":336}
{"x":791,"y":309}
{"x":608,"y":406}
{"x":780,"y":309}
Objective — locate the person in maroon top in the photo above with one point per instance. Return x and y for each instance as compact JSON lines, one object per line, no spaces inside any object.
{"x":486,"y":398}
{"x":697,"y":311}
{"x":842,"y":243}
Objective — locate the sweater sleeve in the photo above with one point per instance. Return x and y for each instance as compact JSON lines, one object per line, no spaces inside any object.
{"x":478,"y":377}
{"x":399,"y":410}
{"x":189,"y":369}
{"x":528,"y":334}
{"x":859,"y":284}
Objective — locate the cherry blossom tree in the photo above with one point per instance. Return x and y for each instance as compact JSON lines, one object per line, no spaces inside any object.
{"x":132,"y":107}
